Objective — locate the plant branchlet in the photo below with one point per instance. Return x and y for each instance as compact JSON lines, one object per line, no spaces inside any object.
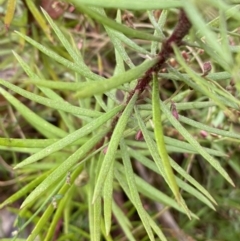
{"x":180,"y":31}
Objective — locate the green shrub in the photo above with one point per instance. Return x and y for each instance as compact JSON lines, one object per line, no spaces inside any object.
{"x":118,"y":145}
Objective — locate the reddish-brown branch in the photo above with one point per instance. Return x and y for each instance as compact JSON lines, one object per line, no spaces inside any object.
{"x":182,"y":28}
{"x":176,"y":37}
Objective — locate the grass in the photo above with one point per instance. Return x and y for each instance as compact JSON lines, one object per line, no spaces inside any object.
{"x":119,"y":126}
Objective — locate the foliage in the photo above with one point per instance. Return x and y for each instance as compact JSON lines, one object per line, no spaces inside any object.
{"x":108,"y":146}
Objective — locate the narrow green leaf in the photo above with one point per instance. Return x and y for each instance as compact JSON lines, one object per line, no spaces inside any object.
{"x":58,"y":214}
{"x":208,"y":128}
{"x":76,"y":67}
{"x":149,"y":191}
{"x":200,"y":25}
{"x":123,"y":221}
{"x":213,"y":76}
{"x":58,"y":85}
{"x":119,"y":47}
{"x":133,"y":5}
{"x":13,"y":239}
{"x":154,"y":153}
{"x":195,"y":143}
{"x":70,"y":138}
{"x":152,"y":166}
{"x":97,"y":208}
{"x":193,"y":182}
{"x":133,"y":190}
{"x":198,"y":87}
{"x":229,"y":11}
{"x":113,"y":24}
{"x":76,"y":55}
{"x":40,"y":224}
{"x":205,"y":86}
{"x":133,"y":45}
{"x":11,"y":5}
{"x":107,"y":199}
{"x":173,"y":145}
{"x":62,"y":169}
{"x":39,"y":18}
{"x":196,"y":194}
{"x":48,"y":92}
{"x":158,"y":30}
{"x":24,"y":190}
{"x":117,"y":43}
{"x":90,"y":188}
{"x":67,"y":193}
{"x":188,"y":148}
{"x":98,"y":87}
{"x":37,"y":122}
{"x":124,"y":186}
{"x":199,"y":81}
{"x":156,"y":228}
{"x":112,"y":147}
{"x":154,"y":194}
{"x":158,"y":27}
{"x":57,"y":104}
{"x":43,"y":220}
{"x":158,"y":131}
{"x":120,"y":66}
{"x":31,"y":143}
{"x":224,"y":35}
{"x":20,"y":149}
{"x":150,"y":144}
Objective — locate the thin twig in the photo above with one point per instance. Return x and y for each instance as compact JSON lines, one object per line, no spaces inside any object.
{"x":182,"y":28}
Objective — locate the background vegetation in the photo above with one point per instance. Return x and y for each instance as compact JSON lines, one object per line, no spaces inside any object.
{"x":87,"y":155}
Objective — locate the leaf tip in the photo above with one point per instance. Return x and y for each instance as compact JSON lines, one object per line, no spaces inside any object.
{"x":22,"y":206}
{"x":16,"y":167}
{"x":232,"y":183}
{"x":95,"y":196}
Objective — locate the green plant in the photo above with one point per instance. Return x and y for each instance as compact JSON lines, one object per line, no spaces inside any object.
{"x":77,"y":165}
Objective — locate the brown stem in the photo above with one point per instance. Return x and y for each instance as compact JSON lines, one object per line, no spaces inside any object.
{"x":181,"y":29}
{"x":176,"y":37}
